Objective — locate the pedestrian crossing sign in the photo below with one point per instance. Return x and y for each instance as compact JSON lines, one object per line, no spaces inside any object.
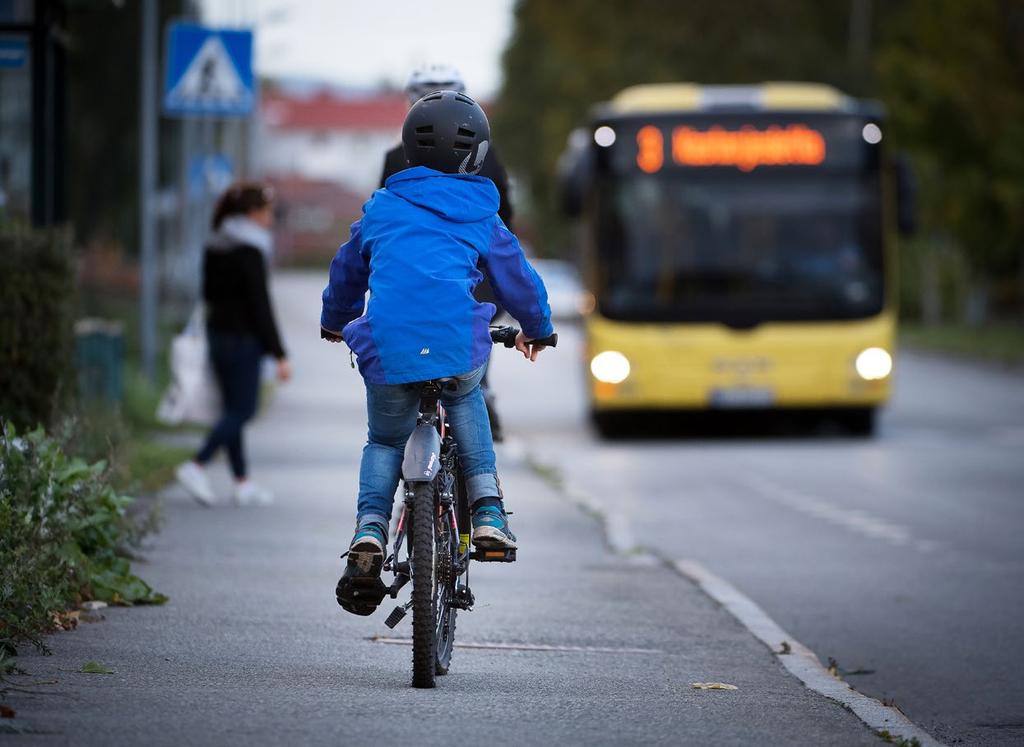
{"x":209,"y":71}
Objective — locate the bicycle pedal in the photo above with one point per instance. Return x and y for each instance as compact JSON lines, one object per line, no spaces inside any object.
{"x":464,"y":599}
{"x":396,"y":616}
{"x":494,"y":555}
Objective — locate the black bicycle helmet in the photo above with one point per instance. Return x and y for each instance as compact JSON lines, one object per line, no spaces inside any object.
{"x":446,"y":131}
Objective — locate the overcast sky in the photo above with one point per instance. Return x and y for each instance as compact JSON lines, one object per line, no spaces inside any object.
{"x":368,"y":41}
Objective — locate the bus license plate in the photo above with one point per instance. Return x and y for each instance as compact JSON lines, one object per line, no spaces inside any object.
{"x":742,"y":397}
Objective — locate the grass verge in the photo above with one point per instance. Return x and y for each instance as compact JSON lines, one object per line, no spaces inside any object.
{"x":66,"y":536}
{"x":68,"y":529}
{"x":996,"y":343}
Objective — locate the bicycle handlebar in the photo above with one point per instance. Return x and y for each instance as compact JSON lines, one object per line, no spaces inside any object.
{"x":507,"y":337}
{"x":504,"y":335}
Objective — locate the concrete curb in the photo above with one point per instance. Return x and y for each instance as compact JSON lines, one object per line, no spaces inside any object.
{"x":798,"y":660}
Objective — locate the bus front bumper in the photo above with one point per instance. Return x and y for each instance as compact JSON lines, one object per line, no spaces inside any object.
{"x":710,"y":366}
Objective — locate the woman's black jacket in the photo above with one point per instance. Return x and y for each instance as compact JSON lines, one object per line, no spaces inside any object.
{"x":236,"y":295}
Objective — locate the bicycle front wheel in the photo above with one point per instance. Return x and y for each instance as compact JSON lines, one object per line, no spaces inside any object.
{"x":424,"y":586}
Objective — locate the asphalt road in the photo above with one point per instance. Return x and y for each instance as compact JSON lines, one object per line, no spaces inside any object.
{"x":574,"y":645}
{"x":900,"y":557}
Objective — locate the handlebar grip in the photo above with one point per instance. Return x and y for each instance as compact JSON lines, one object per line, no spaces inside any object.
{"x":549,"y":342}
{"x":328,"y":335}
{"x":507,"y":337}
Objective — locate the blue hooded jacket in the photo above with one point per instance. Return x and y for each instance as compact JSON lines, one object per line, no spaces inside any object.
{"x":417,"y":249}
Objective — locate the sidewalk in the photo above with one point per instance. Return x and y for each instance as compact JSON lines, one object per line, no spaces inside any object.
{"x":253,"y":649}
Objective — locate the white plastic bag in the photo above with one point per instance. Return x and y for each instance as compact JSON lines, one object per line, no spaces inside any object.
{"x":193,"y":395}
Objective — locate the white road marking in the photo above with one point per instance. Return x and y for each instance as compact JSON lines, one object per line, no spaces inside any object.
{"x":529,"y":647}
{"x":851,"y":519}
{"x":800,"y":660}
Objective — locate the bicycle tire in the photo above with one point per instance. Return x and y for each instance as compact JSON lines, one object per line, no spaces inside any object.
{"x":424,"y":610}
{"x":445,"y":624}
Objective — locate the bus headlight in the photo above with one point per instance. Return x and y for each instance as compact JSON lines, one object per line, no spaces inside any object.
{"x":610,"y":367}
{"x":873,"y":364}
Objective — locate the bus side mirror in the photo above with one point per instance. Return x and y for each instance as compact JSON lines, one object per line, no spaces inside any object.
{"x":906,"y":195}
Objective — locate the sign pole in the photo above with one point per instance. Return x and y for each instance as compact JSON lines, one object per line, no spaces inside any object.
{"x":147,"y":187}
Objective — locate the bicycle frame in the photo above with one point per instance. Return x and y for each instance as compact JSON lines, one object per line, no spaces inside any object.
{"x":431,"y":454}
{"x":437,"y":551}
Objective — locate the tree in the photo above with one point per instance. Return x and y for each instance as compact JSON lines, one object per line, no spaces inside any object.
{"x":952,"y":74}
{"x":564,"y":57}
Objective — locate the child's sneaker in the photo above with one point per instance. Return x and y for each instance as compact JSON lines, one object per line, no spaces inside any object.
{"x":360,"y":589}
{"x":490,"y":528}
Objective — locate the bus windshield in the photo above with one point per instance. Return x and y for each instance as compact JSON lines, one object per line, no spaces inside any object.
{"x":740,"y":251}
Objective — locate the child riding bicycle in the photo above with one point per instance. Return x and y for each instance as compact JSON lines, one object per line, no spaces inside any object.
{"x":417,"y":249}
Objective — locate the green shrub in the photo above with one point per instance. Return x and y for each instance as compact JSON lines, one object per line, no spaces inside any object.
{"x":36,"y":307}
{"x":64,"y":536}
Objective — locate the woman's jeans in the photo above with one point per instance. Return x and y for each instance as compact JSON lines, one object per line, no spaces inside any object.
{"x":391,"y":412}
{"x":236,"y":363}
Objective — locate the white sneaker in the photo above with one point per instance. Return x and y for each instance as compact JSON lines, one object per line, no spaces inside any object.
{"x":193,"y":478}
{"x":248,"y":493}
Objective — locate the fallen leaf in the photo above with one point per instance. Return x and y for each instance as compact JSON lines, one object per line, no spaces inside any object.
{"x":6,"y":712}
{"x":65,"y":620}
{"x":712,"y":686}
{"x":786,"y":649}
{"x":92,"y":667}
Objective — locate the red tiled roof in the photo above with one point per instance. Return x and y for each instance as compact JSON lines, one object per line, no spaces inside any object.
{"x":327,"y":111}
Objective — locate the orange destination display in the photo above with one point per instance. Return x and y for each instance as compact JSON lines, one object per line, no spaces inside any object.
{"x":745,"y":148}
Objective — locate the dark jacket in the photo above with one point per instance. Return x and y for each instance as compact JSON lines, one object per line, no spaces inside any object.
{"x":493,"y":169}
{"x":424,"y":243}
{"x":235,"y":291}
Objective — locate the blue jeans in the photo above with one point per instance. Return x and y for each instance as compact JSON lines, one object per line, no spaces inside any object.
{"x":236,"y":363}
{"x":391,"y":412}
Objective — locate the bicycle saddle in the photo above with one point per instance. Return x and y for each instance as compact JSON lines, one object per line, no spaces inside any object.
{"x":446,"y":384}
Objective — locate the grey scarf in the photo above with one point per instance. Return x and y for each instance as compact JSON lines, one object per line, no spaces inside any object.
{"x":238,"y":229}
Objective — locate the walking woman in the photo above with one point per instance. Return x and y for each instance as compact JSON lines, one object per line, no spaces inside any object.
{"x":241,"y":329}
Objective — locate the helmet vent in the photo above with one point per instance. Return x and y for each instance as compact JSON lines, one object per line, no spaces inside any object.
{"x":425,"y":130}
{"x":463,"y":132}
{"x":463,"y":145}
{"x":433,"y":97}
{"x":425,"y":142}
{"x":464,"y":99}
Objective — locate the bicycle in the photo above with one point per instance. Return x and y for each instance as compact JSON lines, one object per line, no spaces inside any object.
{"x":434,"y":530}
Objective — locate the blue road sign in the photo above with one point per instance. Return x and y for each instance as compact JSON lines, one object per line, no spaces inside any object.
{"x":13,"y":52}
{"x":209,"y":71}
{"x":209,"y":175}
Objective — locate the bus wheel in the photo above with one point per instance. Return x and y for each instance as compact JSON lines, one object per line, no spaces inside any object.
{"x":860,"y":421}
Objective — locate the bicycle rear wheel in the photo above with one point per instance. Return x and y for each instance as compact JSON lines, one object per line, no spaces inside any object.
{"x":424,"y":585}
{"x":444,"y":638}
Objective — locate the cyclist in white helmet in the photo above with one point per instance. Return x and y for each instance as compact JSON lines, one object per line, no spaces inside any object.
{"x":427,"y":79}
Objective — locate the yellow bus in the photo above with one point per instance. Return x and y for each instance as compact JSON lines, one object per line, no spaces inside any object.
{"x":736,"y":246}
